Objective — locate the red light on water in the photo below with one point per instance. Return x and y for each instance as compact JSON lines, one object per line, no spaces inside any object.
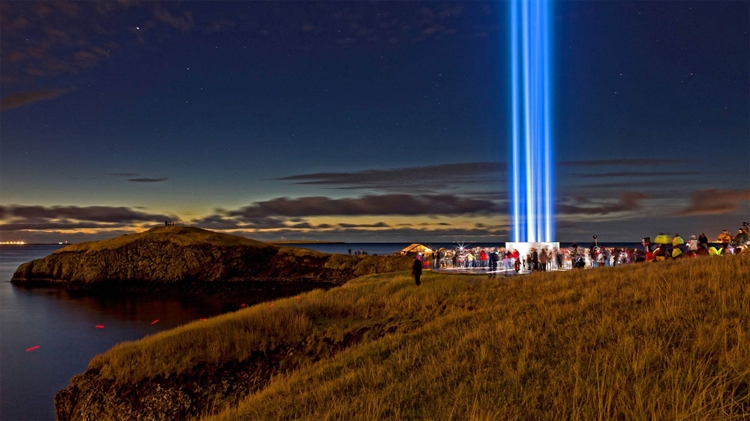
{"x":155,"y":322}
{"x":242,"y":305}
{"x":99,"y":326}
{"x":32,"y":348}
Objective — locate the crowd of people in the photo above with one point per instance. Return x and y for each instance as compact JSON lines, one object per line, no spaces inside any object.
{"x":494,"y":259}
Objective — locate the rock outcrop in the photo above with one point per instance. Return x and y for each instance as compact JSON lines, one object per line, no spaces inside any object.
{"x":206,"y":389}
{"x":173,"y":256}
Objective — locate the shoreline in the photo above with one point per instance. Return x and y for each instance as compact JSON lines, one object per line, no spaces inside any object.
{"x":229,"y":295}
{"x":145,"y":287}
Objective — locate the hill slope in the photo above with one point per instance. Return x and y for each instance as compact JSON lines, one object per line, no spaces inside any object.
{"x":646,"y":341}
{"x":171,"y":255}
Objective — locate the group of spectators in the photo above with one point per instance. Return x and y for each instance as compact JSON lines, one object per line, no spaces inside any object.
{"x":495,"y":259}
{"x":726,"y":244}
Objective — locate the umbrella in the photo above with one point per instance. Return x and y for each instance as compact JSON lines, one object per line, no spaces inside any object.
{"x":676,"y":252}
{"x":662,"y":239}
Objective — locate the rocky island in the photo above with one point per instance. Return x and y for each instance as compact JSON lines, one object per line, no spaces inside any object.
{"x":175,"y":257}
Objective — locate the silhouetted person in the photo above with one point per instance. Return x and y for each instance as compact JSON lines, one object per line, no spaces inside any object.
{"x":416,"y":270}
{"x":703,"y":241}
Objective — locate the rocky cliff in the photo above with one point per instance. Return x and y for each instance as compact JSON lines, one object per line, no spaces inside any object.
{"x":175,"y":256}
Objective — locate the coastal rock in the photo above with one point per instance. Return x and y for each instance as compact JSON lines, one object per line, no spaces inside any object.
{"x":207,"y":388}
{"x":175,"y":256}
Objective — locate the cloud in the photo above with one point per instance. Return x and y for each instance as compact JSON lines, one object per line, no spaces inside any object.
{"x":389,"y":204}
{"x":630,"y":162}
{"x":123,"y":174}
{"x":24,"y":98}
{"x":148,"y":180}
{"x":44,"y":226}
{"x":372,"y":23}
{"x":375,"y":225}
{"x":637,"y":174}
{"x":628,"y":184}
{"x":221,"y":222}
{"x":420,"y":234}
{"x":715,"y":202}
{"x":412,"y":179}
{"x":48,"y":38}
{"x":628,"y":202}
{"x":182,"y":23}
{"x":104,"y":214}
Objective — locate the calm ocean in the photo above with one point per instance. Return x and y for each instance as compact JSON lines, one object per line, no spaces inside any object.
{"x":63,"y":326}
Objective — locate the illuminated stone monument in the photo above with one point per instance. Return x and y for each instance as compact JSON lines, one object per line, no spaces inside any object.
{"x":532,"y":181}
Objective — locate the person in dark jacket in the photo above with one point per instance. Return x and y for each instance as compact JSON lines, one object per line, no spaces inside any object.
{"x":494,"y":259}
{"x":416,"y":270}
{"x":703,"y":241}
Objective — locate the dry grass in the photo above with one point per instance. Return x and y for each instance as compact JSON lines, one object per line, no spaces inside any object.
{"x":647,"y":341}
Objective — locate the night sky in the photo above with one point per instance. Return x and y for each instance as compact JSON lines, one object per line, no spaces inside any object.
{"x":365,"y":121}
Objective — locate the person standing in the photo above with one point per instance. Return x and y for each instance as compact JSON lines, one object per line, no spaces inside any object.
{"x":693,"y":244}
{"x":677,"y":242}
{"x":416,"y":270}
{"x":507,"y":265}
{"x":703,"y":241}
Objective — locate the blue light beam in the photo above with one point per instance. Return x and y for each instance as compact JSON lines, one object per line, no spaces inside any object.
{"x":532,"y":181}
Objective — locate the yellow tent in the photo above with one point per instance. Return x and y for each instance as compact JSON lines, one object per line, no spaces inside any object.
{"x":415,"y":248}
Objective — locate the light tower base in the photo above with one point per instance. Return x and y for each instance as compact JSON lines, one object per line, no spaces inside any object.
{"x":525,"y":247}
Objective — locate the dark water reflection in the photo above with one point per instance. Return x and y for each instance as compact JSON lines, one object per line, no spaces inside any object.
{"x":63,"y":325}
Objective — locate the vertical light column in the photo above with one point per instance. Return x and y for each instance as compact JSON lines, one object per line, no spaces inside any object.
{"x":515,"y":189}
{"x":548,"y":147}
{"x":532,"y":181}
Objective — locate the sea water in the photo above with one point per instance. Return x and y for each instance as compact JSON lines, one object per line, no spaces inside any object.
{"x":63,"y":326}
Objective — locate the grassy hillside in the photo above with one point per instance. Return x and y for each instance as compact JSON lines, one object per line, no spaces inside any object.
{"x":180,"y":236}
{"x":647,"y":341}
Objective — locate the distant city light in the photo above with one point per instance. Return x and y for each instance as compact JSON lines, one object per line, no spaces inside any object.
{"x":532,"y":153}
{"x":12,"y":243}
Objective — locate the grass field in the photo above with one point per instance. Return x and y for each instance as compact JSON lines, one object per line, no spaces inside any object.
{"x":639,"y":342}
